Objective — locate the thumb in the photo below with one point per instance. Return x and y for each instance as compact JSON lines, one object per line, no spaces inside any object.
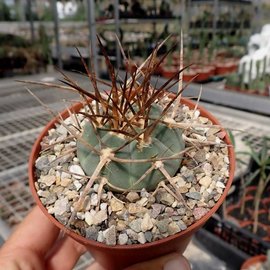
{"x":172,"y":261}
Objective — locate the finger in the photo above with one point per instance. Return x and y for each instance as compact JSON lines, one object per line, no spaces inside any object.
{"x":95,"y":266}
{"x":172,"y":261}
{"x":65,"y":253}
{"x":20,"y":259}
{"x":36,"y":233}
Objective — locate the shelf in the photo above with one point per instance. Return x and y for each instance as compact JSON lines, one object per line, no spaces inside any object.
{"x":138,"y":20}
{"x":219,"y":30}
{"x":212,"y":94}
{"x":230,"y":2}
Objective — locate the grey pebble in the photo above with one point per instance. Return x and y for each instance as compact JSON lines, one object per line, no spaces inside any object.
{"x":163,"y":225}
{"x":61,"y":206}
{"x":62,"y":218}
{"x":173,"y":228}
{"x":92,"y":232}
{"x":188,"y":175}
{"x":100,"y":237}
{"x":135,"y":225}
{"x":200,"y":156}
{"x":132,"y":196}
{"x":122,"y":239}
{"x":51,"y":198}
{"x":132,"y":235}
{"x":110,"y":236}
{"x":94,"y":199}
{"x":42,"y":163}
{"x":181,"y":225}
{"x":148,"y":236}
{"x":141,"y":238}
{"x":167,"y":198}
{"x":156,"y":209}
{"x":194,"y":195}
{"x":64,"y":159}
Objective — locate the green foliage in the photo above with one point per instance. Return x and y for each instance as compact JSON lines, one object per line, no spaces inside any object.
{"x":44,"y":43}
{"x":4,"y":12}
{"x":13,"y":41}
{"x":47,"y":14}
{"x":231,"y":137}
{"x":261,"y":159}
{"x":233,"y":80}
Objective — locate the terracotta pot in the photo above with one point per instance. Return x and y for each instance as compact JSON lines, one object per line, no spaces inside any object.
{"x":168,"y":73}
{"x":251,"y":190}
{"x":158,"y":70}
{"x":211,"y":69}
{"x":189,"y":75}
{"x":231,"y":218}
{"x":131,"y":68}
{"x":266,"y":203}
{"x":203,"y":74}
{"x":252,"y":91}
{"x":253,"y":261}
{"x":261,"y":226}
{"x":232,"y":88}
{"x":247,"y":214}
{"x":118,"y":257}
{"x":225,"y":68}
{"x":263,"y":218}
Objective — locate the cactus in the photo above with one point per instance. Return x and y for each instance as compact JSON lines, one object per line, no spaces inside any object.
{"x":130,"y":139}
{"x":163,"y":142}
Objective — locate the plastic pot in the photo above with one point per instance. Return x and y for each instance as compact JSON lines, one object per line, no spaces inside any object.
{"x":248,"y":225}
{"x":225,"y":68}
{"x":203,"y":74}
{"x":266,"y":203}
{"x":189,"y":75}
{"x":237,"y":206}
{"x":264,"y":218}
{"x":168,"y":72}
{"x":118,"y":257}
{"x":251,"y":190}
{"x":253,"y":261}
{"x":232,"y":218}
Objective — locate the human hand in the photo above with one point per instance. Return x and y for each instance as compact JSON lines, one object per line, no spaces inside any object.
{"x":35,"y":246}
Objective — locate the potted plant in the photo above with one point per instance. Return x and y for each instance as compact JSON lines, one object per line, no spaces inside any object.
{"x":131,"y":173}
{"x":261,"y":161}
{"x":259,"y":262}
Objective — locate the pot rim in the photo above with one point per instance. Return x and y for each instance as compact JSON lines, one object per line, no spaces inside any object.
{"x":252,"y":260}
{"x":190,"y":229}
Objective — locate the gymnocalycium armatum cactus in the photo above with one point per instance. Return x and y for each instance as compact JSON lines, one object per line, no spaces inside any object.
{"x":127,"y":141}
{"x":130,"y":139}
{"x":162,"y":142}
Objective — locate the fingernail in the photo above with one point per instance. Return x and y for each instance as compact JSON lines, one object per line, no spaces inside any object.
{"x":176,"y":264}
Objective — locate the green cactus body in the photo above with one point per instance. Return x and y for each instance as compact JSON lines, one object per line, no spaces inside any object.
{"x":164,"y":142}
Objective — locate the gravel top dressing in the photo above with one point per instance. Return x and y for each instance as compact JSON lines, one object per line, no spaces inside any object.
{"x":133,"y":216}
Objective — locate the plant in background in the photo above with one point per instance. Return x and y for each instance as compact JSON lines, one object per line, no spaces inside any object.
{"x":44,"y":44}
{"x":267,"y":263}
{"x":261,"y":160}
{"x":5,"y":14}
{"x":202,"y":46}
